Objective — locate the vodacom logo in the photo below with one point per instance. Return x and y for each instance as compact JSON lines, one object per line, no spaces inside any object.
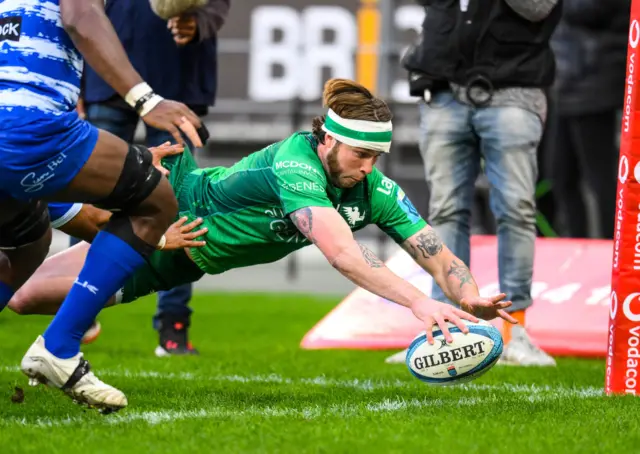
{"x":634,"y":34}
{"x":613,"y":307}
{"x":626,"y":307}
{"x":623,"y":169}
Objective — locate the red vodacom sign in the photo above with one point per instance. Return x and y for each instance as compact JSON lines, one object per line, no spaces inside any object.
{"x":623,"y":349}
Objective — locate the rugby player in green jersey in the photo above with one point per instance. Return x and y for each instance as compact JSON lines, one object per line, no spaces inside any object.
{"x":313,"y":187}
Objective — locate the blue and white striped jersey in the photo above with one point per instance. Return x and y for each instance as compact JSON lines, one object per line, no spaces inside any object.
{"x":40,"y":68}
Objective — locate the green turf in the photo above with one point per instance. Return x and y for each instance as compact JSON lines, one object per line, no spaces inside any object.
{"x":254,"y":390}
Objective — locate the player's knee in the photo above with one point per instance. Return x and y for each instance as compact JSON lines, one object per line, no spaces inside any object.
{"x":136,"y":188}
{"x":121,"y":225}
{"x":160,"y":210}
{"x":163,"y":204}
{"x":27,"y":227}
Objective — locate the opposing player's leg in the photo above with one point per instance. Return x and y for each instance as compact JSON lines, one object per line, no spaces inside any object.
{"x":119,"y":177}
{"x":47,"y":288}
{"x":25,"y":237}
{"x":44,"y":292}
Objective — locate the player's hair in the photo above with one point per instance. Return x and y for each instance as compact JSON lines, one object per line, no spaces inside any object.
{"x":350,"y":100}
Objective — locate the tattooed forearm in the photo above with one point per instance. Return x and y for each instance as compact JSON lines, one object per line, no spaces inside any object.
{"x":303,"y":220}
{"x":460,"y":272}
{"x":370,"y":257}
{"x":411,"y":249}
{"x":429,"y":244}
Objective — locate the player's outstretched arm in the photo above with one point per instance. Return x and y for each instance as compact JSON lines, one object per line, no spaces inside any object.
{"x":92,"y":33}
{"x":330,"y":233}
{"x":449,"y":272}
{"x":453,"y":276}
{"x":327,"y":230}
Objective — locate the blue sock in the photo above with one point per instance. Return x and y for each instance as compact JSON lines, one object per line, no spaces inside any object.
{"x":6,"y":293}
{"x":109,"y":263}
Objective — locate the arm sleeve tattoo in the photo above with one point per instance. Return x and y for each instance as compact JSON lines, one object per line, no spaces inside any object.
{"x":372,"y":260}
{"x":303,"y":220}
{"x":429,"y":244}
{"x":460,"y":272}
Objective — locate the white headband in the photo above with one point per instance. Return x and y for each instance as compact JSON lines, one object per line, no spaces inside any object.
{"x":370,"y":135}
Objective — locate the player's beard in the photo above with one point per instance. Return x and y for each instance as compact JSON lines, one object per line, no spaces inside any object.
{"x":335,"y":171}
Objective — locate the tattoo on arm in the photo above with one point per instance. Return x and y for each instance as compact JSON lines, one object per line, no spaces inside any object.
{"x":411,"y":249}
{"x":303,"y":220}
{"x":460,"y":272}
{"x":370,"y":257}
{"x":429,"y":244}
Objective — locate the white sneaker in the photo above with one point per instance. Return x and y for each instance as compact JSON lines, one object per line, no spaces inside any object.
{"x":521,"y":351}
{"x":73,"y":376}
{"x":397,"y":358}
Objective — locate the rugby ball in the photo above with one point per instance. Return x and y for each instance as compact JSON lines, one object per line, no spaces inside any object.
{"x":465,"y":359}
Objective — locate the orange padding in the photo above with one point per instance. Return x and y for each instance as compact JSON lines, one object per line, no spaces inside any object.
{"x":506,"y":327}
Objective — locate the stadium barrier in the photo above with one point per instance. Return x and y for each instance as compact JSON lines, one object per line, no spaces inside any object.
{"x":571,"y":289}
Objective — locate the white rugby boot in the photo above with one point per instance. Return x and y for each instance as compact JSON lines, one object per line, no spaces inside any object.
{"x":397,"y":358}
{"x":520,"y":351}
{"x":73,"y":376}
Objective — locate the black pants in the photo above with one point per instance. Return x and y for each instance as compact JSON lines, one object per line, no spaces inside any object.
{"x":583,"y":149}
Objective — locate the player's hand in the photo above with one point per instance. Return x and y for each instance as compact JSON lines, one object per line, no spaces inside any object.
{"x":183,"y":28}
{"x":173,"y":117}
{"x":162,"y":151}
{"x":488,"y":308}
{"x":181,"y":235}
{"x":432,"y":313}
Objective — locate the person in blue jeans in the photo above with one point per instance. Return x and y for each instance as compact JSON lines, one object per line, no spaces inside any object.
{"x":179,"y":59}
{"x":482,"y":69}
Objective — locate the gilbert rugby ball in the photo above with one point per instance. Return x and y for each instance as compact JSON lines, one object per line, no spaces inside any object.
{"x":466,"y":358}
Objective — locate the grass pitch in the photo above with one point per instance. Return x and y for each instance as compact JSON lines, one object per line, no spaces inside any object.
{"x":254,"y":390}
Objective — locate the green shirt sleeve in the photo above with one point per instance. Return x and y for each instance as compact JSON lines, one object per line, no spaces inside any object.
{"x":391,"y":209}
{"x":300,"y":177}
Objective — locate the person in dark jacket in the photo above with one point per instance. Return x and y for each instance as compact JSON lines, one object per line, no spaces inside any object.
{"x":178,"y":58}
{"x":481,"y":69}
{"x":590,"y":45}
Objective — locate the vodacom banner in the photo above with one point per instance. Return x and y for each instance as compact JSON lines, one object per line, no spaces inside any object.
{"x":623,"y":351}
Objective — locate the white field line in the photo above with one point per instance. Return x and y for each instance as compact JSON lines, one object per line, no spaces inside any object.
{"x":364,"y":385}
{"x":344,"y":411}
{"x":522,"y":393}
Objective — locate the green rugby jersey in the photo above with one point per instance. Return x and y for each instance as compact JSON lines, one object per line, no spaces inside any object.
{"x":246,"y":206}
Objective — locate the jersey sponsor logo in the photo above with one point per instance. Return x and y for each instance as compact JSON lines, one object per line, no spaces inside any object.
{"x":407,"y":206}
{"x":33,"y":182}
{"x":386,"y":186}
{"x":10,"y":28}
{"x":303,"y":166}
{"x":353,"y":216}
{"x":303,"y":186}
